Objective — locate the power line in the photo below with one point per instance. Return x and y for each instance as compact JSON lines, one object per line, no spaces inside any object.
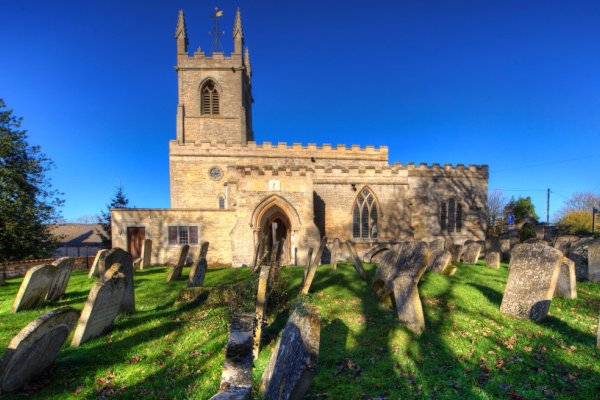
{"x":547,"y":163}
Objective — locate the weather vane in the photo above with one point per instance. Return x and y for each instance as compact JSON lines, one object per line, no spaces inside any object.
{"x":216,"y":32}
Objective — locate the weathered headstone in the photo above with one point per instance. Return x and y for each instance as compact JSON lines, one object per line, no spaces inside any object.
{"x":146,"y":253}
{"x":505,"y":250}
{"x":493,"y":244}
{"x":594,"y":260}
{"x":308,"y":264}
{"x":563,"y":243}
{"x":120,"y":256}
{"x":566,"y":284}
{"x":357,"y":264}
{"x":236,"y":380}
{"x":137,"y":264}
{"x":335,"y":249}
{"x":175,"y":272}
{"x":101,"y":308}
{"x":310,"y":275}
{"x":437,"y":245}
{"x":35,"y":348}
{"x":198,"y":270}
{"x":471,"y":254}
{"x":440,"y":261}
{"x":534,"y":269}
{"x":261,"y":306}
{"x":457,"y":252}
{"x":293,"y":363}
{"x":492,"y":259}
{"x":449,"y":270}
{"x":34,"y":287}
{"x":58,"y":287}
{"x":94,"y":270}
{"x":578,"y":252}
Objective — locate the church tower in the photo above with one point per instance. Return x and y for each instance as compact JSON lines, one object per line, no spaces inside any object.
{"x":214,"y":91}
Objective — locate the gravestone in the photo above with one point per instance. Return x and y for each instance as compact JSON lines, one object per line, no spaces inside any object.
{"x":58,"y":287}
{"x":34,"y":287}
{"x":493,"y":244}
{"x":437,"y":245}
{"x":335,"y":250}
{"x":578,"y":252}
{"x":457,"y":252}
{"x":449,"y":270}
{"x":566,"y":284}
{"x":236,"y":379}
{"x":261,"y":305}
{"x":120,"y":256}
{"x":471,"y":254}
{"x":198,"y":270}
{"x":256,"y":257}
{"x":99,"y":256}
{"x":310,"y":275}
{"x":376,"y":251}
{"x":175,"y":272}
{"x":146,"y":253}
{"x":293,"y":362}
{"x":532,"y":277}
{"x":101,"y":308}
{"x":35,"y":348}
{"x":137,"y":264}
{"x":440,"y":262}
{"x":357,"y":264}
{"x":384,"y":278}
{"x":563,"y":243}
{"x":505,"y":250}
{"x":308,"y":264}
{"x":492,"y":259}
{"x":594,"y":261}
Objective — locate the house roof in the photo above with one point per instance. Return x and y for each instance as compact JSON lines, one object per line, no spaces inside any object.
{"x":77,"y":234}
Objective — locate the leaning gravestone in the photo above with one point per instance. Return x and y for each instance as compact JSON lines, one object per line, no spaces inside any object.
{"x":99,"y":256}
{"x":236,"y":380}
{"x":563,"y":243}
{"x":534,"y":269}
{"x":120,"y":256}
{"x":175,"y":272}
{"x":101,"y":308}
{"x":566,"y":285}
{"x":457,"y":252}
{"x":437,"y":245}
{"x":35,"y":348}
{"x":293,"y":363}
{"x":34,"y":287}
{"x":58,"y":287}
{"x":578,"y":252}
{"x":198,"y":270}
{"x":357,"y":264}
{"x":492,"y":259}
{"x":594,"y":260}
{"x":146,"y":253}
{"x":471,"y":254}
{"x":137,"y":264}
{"x":310,"y":275}
{"x":440,"y":261}
{"x":335,"y":249}
{"x":261,"y":305}
{"x":308,"y":264}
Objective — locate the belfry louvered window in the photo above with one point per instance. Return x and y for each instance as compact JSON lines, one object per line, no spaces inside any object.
{"x":209,"y":99}
{"x":364,"y":216}
{"x":451,"y":216}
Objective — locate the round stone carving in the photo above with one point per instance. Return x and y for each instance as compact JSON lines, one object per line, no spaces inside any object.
{"x":215,"y":173}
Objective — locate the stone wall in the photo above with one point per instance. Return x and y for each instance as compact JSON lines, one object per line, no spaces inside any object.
{"x":19,"y":268}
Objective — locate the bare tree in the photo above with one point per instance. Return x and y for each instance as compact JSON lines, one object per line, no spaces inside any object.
{"x":496,"y":202}
{"x":580,"y":201}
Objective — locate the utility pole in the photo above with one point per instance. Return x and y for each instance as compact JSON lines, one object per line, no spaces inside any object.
{"x":548,"y":208}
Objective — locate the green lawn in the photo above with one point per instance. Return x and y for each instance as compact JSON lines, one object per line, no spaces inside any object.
{"x":469,"y":349}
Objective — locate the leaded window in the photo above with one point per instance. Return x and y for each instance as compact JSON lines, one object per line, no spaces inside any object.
{"x":209,"y":99}
{"x":364,"y":216}
{"x":183,"y":234}
{"x":451,"y":216}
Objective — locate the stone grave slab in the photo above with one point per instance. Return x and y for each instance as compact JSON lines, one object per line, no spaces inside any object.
{"x":594,"y":261}
{"x":293,"y":363}
{"x":492,"y":259}
{"x":101,"y":308}
{"x":457,"y":252}
{"x":335,"y":250}
{"x":175,"y":272}
{"x":34,"y":287}
{"x":137,"y":264}
{"x":310,"y":275}
{"x":261,"y":307}
{"x":566,"y":285}
{"x":440,"y":261}
{"x":471,"y":254}
{"x":35,"y":348}
{"x":146,"y":253}
{"x":437,"y":245}
{"x":357,"y":264}
{"x":532,"y":277}
{"x":94,"y":270}
{"x":578,"y":252}
{"x":120,"y":256}
{"x":58,"y":287}
{"x":198,"y":270}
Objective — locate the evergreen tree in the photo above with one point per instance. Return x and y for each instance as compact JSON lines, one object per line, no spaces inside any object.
{"x":28,"y":203}
{"x":104,"y":219}
{"x":522,"y":208}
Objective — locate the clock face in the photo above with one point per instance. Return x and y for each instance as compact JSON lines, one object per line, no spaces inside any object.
{"x":216,"y":173}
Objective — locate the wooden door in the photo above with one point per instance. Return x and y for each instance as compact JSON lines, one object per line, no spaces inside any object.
{"x":135,"y":238}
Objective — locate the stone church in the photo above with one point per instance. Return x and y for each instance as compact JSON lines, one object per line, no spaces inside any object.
{"x":232,"y":191}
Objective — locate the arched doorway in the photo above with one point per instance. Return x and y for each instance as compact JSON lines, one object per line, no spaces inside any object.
{"x":275,"y":226}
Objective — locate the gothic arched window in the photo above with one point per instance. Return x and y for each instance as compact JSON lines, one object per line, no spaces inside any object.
{"x":451,"y":216}
{"x":364,"y":216}
{"x":209,"y":99}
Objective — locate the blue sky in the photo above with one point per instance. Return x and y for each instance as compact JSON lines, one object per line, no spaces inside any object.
{"x":511,"y":84}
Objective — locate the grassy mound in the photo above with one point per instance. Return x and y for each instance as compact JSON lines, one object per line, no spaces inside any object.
{"x":173,"y":349}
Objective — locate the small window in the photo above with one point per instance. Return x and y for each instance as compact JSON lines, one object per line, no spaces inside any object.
{"x":183,"y":234}
{"x":221,"y":202}
{"x":364,"y":216}
{"x":209,"y":99}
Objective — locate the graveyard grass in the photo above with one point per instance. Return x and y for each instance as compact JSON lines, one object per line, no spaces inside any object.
{"x":469,"y":349}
